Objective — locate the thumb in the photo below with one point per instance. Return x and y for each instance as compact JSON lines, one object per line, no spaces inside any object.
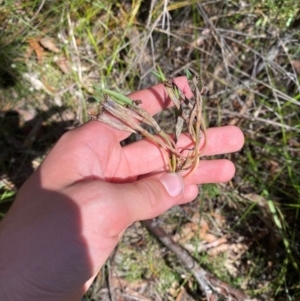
{"x":150,"y":197}
{"x":144,"y":199}
{"x":120,"y":205}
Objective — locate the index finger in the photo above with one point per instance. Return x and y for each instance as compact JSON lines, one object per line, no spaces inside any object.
{"x":156,"y":99}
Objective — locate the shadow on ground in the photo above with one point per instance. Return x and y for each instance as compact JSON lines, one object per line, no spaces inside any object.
{"x":22,"y":143}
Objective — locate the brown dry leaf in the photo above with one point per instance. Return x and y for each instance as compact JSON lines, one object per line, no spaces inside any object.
{"x":63,"y":64}
{"x":208,"y":237}
{"x":78,"y":42}
{"x":47,"y":86}
{"x":37,"y":48}
{"x":188,"y":232}
{"x":218,"y":250}
{"x":197,"y":219}
{"x":217,"y":242}
{"x":296,"y":65}
{"x":274,"y":166}
{"x":48,"y":43}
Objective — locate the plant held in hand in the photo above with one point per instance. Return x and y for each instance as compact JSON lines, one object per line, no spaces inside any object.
{"x":121,"y":112}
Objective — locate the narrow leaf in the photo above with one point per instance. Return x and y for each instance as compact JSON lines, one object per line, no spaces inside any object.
{"x":118,"y":97}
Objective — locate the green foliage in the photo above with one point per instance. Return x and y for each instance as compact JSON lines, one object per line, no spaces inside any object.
{"x":279,"y":12}
{"x":118,"y":97}
{"x":159,"y":74}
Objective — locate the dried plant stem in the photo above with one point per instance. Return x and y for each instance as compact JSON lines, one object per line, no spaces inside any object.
{"x":196,"y":126}
{"x":188,"y":111}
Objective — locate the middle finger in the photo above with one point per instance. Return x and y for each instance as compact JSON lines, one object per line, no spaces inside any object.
{"x":145,"y":157}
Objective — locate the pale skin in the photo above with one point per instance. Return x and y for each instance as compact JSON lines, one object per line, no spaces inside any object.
{"x":70,"y":214}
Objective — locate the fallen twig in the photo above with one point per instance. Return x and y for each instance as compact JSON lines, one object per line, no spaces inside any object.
{"x":211,"y":286}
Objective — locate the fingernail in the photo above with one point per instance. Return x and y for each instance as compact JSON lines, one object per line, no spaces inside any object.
{"x":173,"y":183}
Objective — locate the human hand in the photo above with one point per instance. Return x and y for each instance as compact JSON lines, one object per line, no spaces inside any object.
{"x":70,"y":214}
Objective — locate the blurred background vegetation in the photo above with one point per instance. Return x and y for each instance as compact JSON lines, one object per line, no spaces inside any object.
{"x":246,"y":52}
